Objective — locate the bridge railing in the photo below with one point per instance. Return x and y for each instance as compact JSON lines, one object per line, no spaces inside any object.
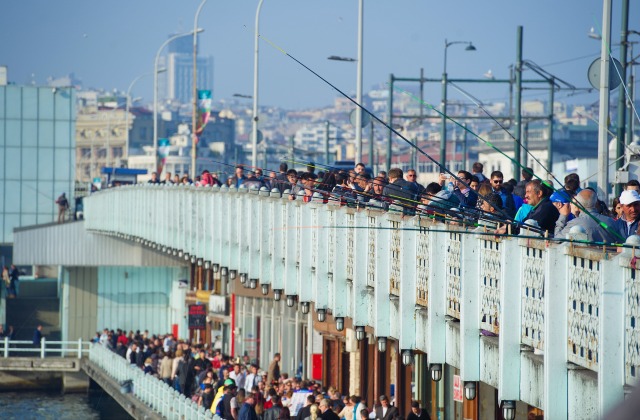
{"x":46,"y":348}
{"x":153,"y":392}
{"x":404,"y":276}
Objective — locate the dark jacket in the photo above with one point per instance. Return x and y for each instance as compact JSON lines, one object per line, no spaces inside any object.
{"x":247,"y":412}
{"x":546,"y":214}
{"x":402,"y":193}
{"x":272,"y":413}
{"x":470,"y":199}
{"x":37,"y":337}
{"x":330,"y":415}
{"x":625,"y":229}
{"x":391,"y":413}
{"x":424,"y":415}
{"x":509,"y":205}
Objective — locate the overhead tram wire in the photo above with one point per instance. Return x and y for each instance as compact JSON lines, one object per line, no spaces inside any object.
{"x":389,"y":127}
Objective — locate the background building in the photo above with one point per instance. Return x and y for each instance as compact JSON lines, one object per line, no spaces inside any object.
{"x":176,"y":84}
{"x":37,"y":149}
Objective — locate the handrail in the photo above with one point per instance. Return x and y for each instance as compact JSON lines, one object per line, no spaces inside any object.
{"x":79,"y":347}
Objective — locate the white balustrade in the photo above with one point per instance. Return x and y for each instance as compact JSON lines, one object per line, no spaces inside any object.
{"x":46,"y":348}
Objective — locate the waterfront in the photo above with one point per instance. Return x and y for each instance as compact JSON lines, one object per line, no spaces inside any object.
{"x":53,"y":405}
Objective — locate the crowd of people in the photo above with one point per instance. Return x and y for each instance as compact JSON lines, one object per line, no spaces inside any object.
{"x":237,"y":388}
{"x":468,"y":198}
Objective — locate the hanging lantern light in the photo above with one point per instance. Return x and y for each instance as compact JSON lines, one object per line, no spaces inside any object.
{"x":407,"y":357}
{"x":382,"y":344}
{"x":436,"y":372}
{"x":304,"y":306}
{"x":265,"y":289}
{"x":291,"y":300}
{"x":470,"y":390}
{"x":360,"y":334}
{"x":277,"y":294}
{"x":253,"y":283}
{"x":322,"y":315}
{"x":339,"y":323}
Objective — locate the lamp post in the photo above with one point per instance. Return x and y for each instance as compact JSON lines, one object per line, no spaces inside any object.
{"x":126,"y":115}
{"x":194,"y":111}
{"x":254,"y":121}
{"x":155,"y":93}
{"x":359,"y":85}
{"x":443,"y":129}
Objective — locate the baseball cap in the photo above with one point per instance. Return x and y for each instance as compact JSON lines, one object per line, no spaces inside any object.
{"x":629,"y":197}
{"x":229,"y":383}
{"x":559,"y":197}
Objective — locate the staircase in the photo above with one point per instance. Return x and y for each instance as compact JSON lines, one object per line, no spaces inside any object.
{"x":36,"y":304}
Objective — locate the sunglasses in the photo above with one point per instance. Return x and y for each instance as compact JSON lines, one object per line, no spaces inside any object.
{"x":497,"y":181}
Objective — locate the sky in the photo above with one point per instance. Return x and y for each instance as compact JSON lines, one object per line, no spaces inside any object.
{"x":108,"y":44}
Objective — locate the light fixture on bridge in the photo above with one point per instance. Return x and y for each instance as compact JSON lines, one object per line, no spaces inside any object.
{"x":265,"y":289}
{"x":322,"y":315}
{"x":216,"y":268}
{"x":436,"y":372}
{"x":360,"y":334}
{"x":253,"y":283}
{"x":224,"y":272}
{"x":180,"y":253}
{"x":193,"y":259}
{"x":243,"y":278}
{"x":277,"y":294}
{"x":164,"y":249}
{"x":470,"y":390}
{"x":175,"y":252}
{"x":382,"y":344}
{"x":407,"y":357}
{"x":207,"y":265}
{"x":199,"y":262}
{"x":304,"y":307}
{"x":233,"y":274}
{"x":509,"y":409}
{"x":291,"y":300}
{"x":339,"y":323}
{"x":169,"y":251}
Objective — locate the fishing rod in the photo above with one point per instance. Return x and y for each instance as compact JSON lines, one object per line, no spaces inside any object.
{"x":375,"y":117}
{"x":605,"y":226}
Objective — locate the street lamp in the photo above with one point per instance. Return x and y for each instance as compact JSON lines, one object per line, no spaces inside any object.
{"x":254,"y":121}
{"x":443,"y":129}
{"x":155,"y":93}
{"x":358,"y":123}
{"x":194,"y":111}
{"x":127,"y":106}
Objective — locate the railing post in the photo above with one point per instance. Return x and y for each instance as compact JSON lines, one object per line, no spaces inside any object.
{"x":611,"y":349}
{"x":470,"y":309}
{"x":79,"y":348}
{"x":556,"y":381}
{"x":510,"y":321}
{"x":43,"y":344}
{"x":437,"y":308}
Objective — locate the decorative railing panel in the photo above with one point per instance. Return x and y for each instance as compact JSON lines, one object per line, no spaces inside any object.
{"x":372,"y":245}
{"x":532,"y":295}
{"x":351,"y":236}
{"x":422,"y":268}
{"x":490,"y":269}
{"x":632,"y":325}
{"x":584,"y":292}
{"x":396,"y":247}
{"x":453,"y":275}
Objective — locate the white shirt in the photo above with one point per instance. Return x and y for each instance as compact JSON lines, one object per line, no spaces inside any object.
{"x":249,"y":381}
